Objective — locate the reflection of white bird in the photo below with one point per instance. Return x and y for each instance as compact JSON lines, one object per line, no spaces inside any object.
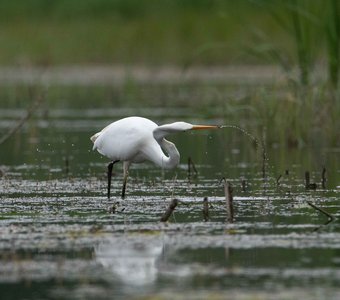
{"x":136,"y":139}
{"x":132,"y":260}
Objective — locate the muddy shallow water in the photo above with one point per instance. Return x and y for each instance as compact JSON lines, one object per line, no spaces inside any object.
{"x":59,"y":241}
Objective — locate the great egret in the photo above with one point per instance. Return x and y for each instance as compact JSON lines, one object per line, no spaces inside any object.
{"x":137,"y":139}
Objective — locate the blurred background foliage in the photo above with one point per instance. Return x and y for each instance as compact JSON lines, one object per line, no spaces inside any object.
{"x":302,"y":37}
{"x":209,"y":32}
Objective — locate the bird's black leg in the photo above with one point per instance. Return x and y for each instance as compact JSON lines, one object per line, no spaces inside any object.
{"x":109,"y":175}
{"x":124,"y":187}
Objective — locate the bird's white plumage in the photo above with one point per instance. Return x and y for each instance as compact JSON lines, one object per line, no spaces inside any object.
{"x":126,"y":139}
{"x":136,"y":139}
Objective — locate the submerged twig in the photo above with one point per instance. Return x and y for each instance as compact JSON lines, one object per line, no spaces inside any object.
{"x":331,"y":217}
{"x":24,"y":119}
{"x":169,"y":210}
{"x":205,"y":209}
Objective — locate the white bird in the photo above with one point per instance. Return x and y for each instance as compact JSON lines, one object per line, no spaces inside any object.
{"x":137,"y":139}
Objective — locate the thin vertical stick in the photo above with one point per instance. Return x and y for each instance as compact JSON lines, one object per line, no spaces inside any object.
{"x":191,"y":165}
{"x":309,"y":186}
{"x":244,"y":185}
{"x":205,"y":209}
{"x":264,"y":154}
{"x":263,"y":165}
{"x":228,"y":192}
{"x":67,"y":165}
{"x":323,"y":178}
{"x":307,"y":179}
{"x":278,"y":180}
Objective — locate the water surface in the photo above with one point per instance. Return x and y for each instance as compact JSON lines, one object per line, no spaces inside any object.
{"x":58,"y":240}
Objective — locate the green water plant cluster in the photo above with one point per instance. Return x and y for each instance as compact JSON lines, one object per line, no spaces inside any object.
{"x":288,"y":116}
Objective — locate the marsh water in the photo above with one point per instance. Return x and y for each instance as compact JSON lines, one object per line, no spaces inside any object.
{"x":59,"y":240}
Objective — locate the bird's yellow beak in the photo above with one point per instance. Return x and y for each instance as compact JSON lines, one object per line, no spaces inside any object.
{"x":199,"y":127}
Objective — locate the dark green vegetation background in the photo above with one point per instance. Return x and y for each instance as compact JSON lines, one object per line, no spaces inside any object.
{"x":299,"y":37}
{"x":154,"y":32}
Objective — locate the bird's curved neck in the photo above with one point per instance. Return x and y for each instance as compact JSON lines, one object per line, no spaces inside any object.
{"x":172,"y":160}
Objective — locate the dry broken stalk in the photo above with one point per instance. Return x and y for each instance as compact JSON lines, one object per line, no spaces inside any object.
{"x":169,"y":210}
{"x":228,"y":192}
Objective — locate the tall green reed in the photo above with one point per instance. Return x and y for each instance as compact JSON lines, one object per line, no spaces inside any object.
{"x":313,"y":32}
{"x":302,"y":111}
{"x":298,"y":20}
{"x":302,"y":32}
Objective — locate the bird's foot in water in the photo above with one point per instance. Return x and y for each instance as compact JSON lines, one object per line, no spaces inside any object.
{"x":112,"y":209}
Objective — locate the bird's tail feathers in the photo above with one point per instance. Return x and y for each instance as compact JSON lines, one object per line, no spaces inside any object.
{"x":94,"y":137}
